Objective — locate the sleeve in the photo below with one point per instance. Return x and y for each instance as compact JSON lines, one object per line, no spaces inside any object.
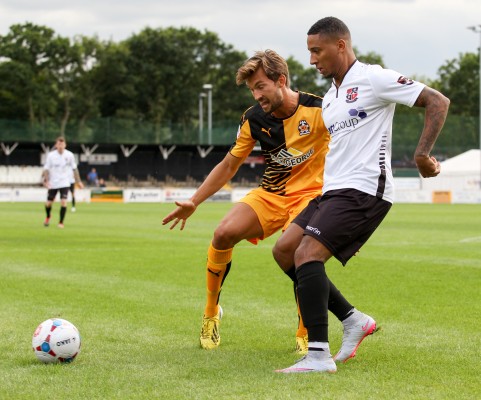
{"x":244,"y":143}
{"x":393,"y":87}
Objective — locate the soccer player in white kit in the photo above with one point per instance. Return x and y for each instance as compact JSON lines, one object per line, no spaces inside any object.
{"x":57,"y":171}
{"x":358,"y":188}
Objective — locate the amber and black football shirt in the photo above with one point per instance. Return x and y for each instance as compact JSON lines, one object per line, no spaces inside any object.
{"x":294,"y":148}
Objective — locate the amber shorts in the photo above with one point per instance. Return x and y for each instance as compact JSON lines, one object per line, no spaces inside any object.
{"x":275,"y":212}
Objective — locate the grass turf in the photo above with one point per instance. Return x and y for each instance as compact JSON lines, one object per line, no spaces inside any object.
{"x":136,"y":292}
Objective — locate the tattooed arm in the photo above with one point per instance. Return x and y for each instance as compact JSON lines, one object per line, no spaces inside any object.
{"x":436,"y":105}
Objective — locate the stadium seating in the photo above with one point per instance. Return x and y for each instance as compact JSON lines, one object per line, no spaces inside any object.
{"x":20,"y":175}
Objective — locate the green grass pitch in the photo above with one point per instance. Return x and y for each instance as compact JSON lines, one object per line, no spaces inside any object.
{"x":136,"y":292}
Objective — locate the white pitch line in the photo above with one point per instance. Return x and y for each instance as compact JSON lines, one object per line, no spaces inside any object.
{"x":471,"y":239}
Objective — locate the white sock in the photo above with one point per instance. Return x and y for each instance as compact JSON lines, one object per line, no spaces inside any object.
{"x":356,"y":316}
{"x":319,"y":349}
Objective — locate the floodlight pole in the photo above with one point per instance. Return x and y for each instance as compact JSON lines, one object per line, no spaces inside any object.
{"x":208,"y":87}
{"x":477,"y":29}
{"x":201,"y":116}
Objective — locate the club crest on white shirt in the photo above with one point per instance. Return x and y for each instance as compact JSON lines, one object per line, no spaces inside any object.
{"x":351,"y":94}
{"x":405,"y":81}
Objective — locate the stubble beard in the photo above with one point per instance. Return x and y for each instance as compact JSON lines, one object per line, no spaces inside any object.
{"x":275,"y":105}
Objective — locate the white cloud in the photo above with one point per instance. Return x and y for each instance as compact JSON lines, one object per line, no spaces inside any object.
{"x":414,"y":37}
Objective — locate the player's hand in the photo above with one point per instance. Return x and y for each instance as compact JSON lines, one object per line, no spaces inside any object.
{"x":183,"y":211}
{"x":428,"y":166}
{"x":80,"y":185}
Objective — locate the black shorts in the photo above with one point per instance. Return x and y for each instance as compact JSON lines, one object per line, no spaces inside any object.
{"x":53,"y":192}
{"x":343,"y":220}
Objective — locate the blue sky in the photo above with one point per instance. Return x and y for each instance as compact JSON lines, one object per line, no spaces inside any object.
{"x":414,"y":37}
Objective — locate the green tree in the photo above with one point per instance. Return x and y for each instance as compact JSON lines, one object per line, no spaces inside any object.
{"x":64,"y":62}
{"x":170,"y":66}
{"x":459,"y":80}
{"x":115,"y":83}
{"x":26,"y":80}
{"x":85,"y":102}
{"x":72,"y":64}
{"x":306,"y":79}
{"x":229,"y":101}
{"x":370,"y":57}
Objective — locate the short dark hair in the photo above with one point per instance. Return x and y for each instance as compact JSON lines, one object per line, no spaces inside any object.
{"x":330,"y":26}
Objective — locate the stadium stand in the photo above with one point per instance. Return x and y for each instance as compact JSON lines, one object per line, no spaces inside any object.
{"x":20,"y":175}
{"x":144,"y":167}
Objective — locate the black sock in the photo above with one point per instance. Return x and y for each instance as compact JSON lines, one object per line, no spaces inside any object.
{"x":313,"y":292}
{"x":63,"y":211}
{"x":338,"y":305}
{"x":349,"y":313}
{"x":48,"y":210}
{"x":291,"y":273}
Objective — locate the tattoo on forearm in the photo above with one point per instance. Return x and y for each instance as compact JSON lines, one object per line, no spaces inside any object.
{"x":76,"y":175}
{"x":436,"y":106}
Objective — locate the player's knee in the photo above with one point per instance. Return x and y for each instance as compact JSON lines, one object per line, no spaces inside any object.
{"x":278,"y":252}
{"x":311,"y":250}
{"x":275,"y":253}
{"x":283,"y":254}
{"x":224,"y":238}
{"x":304,"y":253}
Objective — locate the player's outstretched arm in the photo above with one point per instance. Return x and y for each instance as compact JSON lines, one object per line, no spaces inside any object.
{"x":218,"y":177}
{"x":183,"y":211}
{"x":436,"y":105}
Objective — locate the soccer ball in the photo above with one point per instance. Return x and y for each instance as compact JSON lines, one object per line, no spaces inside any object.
{"x":56,"y":340}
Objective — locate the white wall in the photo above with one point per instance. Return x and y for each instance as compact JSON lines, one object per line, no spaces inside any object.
{"x":407,"y":191}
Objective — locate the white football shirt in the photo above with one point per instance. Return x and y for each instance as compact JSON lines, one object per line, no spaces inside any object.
{"x":358,"y":116}
{"x":60,"y":167}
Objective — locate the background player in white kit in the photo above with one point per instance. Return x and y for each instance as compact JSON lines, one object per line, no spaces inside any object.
{"x":358,"y":189}
{"x":59,"y":165}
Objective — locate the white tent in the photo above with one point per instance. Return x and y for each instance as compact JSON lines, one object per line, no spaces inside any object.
{"x":464,"y":163}
{"x":462,"y":172}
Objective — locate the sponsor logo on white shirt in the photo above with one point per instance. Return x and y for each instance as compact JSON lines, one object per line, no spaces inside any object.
{"x":356,"y":115}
